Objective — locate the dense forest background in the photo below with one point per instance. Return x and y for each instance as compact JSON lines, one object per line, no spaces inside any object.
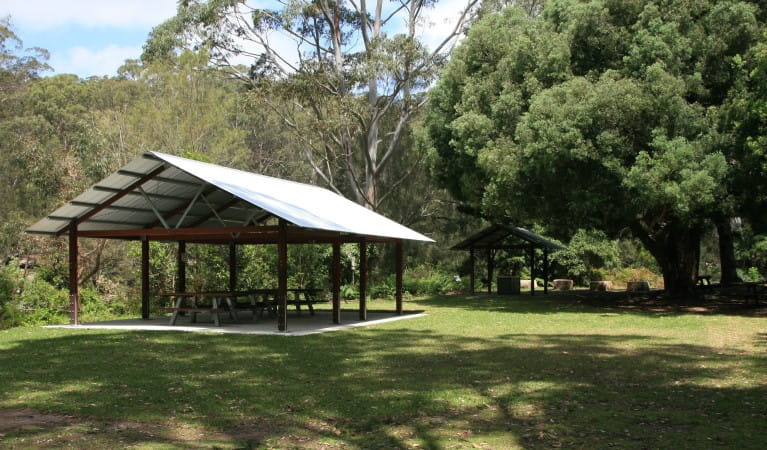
{"x":630,"y":131}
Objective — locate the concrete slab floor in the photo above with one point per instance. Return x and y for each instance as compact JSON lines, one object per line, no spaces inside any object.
{"x":298,"y":325}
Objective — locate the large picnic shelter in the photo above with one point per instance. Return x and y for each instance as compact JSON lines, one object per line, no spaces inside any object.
{"x":507,"y":237}
{"x":161,"y":197}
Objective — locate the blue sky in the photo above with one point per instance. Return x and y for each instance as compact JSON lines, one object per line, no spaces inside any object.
{"x":87,"y":37}
{"x":94,"y":37}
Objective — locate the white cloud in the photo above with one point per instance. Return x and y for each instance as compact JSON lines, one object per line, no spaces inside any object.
{"x":45,"y":14}
{"x":85,"y":62}
{"x":439,"y":21}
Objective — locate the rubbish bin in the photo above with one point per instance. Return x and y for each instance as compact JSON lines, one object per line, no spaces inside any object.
{"x":508,"y":285}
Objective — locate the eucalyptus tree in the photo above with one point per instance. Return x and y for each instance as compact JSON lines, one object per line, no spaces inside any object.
{"x":600,"y":114}
{"x":346,"y":77}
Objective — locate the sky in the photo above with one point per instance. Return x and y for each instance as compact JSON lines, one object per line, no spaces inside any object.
{"x":94,"y":37}
{"x":87,"y":37}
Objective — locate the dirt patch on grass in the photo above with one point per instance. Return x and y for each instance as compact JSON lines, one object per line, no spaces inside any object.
{"x":19,"y":419}
{"x":718,"y":300}
{"x":28,"y":427}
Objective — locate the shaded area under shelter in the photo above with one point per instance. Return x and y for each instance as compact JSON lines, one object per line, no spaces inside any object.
{"x":506,"y":237}
{"x":166,"y":198}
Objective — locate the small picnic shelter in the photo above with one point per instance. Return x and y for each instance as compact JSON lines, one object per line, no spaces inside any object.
{"x":161,"y":197}
{"x":507,"y":237}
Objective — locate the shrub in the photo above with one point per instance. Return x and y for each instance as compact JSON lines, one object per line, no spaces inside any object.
{"x":349,"y":292}
{"x":385,"y":288}
{"x":42,"y":303}
{"x":586,"y":257}
{"x":427,"y":280}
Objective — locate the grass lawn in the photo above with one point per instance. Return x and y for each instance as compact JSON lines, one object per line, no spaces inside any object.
{"x":482,"y":372}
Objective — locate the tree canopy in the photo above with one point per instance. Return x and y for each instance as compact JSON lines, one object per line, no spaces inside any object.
{"x":599,"y":114}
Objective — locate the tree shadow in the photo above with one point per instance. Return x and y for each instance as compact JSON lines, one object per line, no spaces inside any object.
{"x":391,"y":388}
{"x":650,"y":304}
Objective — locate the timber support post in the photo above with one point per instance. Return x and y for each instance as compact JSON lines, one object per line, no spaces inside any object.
{"x":363,"y":279}
{"x":471,"y":278}
{"x":282,"y":277}
{"x":232,"y":267}
{"x":74,"y":299}
{"x":181,"y":267}
{"x":532,"y":269}
{"x":398,"y":268}
{"x":545,"y":271}
{"x":336,"y":276}
{"x":490,"y":258}
{"x":145,"y":277}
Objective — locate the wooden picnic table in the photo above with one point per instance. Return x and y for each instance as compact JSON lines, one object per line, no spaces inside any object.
{"x":258,"y":301}
{"x":182,"y":305}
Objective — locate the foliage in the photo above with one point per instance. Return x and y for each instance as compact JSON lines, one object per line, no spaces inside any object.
{"x":343,"y":79}
{"x":599,"y":115}
{"x":41,"y":303}
{"x":746,"y":115}
{"x":428,"y":280}
{"x":587,"y":251}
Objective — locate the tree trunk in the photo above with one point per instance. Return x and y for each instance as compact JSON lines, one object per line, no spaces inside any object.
{"x":676,"y":249}
{"x":729,"y":273}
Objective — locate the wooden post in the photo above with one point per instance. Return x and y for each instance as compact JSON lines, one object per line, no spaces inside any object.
{"x":363,"y":279}
{"x":489,"y":271}
{"x":282,"y":277}
{"x":398,"y":275}
{"x":181,"y":267}
{"x":74,"y":299}
{"x":471,"y":279}
{"x":545,"y":271}
{"x":232,"y":267}
{"x":336,"y":275}
{"x":145,"y":277}
{"x":532,"y":270}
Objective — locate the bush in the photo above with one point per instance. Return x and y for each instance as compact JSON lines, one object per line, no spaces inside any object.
{"x":349,"y":292}
{"x":385,"y":288}
{"x":427,"y":280}
{"x":637,"y":274}
{"x":42,"y":303}
{"x":586,"y":257}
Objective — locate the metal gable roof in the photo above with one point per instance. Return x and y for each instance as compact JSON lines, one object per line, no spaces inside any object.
{"x":165,"y":191}
{"x":494,"y":235}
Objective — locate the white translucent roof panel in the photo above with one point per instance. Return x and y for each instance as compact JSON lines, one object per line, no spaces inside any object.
{"x":301,"y":204}
{"x":179,"y":181}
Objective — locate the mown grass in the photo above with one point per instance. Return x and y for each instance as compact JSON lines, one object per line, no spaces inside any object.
{"x":475,"y":372}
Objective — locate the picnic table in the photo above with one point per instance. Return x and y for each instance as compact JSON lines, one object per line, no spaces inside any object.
{"x":257,"y":301}
{"x":754,"y":289}
{"x":703,"y":281}
{"x":191,"y":302}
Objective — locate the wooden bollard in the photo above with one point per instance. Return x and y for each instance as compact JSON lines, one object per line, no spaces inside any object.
{"x":600,"y":286}
{"x":637,"y":286}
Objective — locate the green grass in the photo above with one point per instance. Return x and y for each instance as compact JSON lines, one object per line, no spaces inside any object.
{"x":475,"y":372}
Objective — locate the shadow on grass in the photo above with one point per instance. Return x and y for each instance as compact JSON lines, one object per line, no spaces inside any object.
{"x":649,"y":304}
{"x":393,"y":388}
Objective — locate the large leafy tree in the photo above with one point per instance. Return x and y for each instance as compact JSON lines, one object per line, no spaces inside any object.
{"x":746,"y":116}
{"x":599,"y":114}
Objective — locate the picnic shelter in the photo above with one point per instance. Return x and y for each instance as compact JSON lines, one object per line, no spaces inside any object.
{"x":166,"y":198}
{"x":507,"y":237}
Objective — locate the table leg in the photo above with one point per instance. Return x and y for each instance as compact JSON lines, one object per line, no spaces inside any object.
{"x":175,"y":313}
{"x":297,"y":301}
{"x":309,"y":301}
{"x":232,"y":311}
{"x":253,"y":305}
{"x":214,"y":312}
